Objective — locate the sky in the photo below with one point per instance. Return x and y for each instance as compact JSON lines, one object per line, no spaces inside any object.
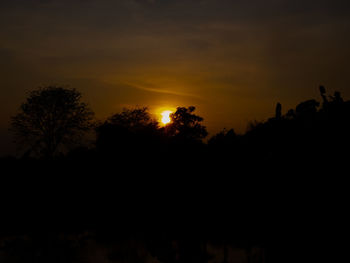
{"x":233,"y":60}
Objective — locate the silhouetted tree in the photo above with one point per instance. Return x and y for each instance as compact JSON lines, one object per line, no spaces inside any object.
{"x":307,"y":134}
{"x":186,"y":126}
{"x":125,"y":131}
{"x":223,"y":139}
{"x":137,"y":119}
{"x":307,"y":108}
{"x":50,"y":118}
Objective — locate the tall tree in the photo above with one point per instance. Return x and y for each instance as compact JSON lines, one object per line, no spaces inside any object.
{"x":50,"y":119}
{"x":185,"y":125}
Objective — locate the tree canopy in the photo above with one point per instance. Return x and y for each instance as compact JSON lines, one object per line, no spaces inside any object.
{"x":50,"y":119}
{"x":134,"y":119}
{"x":186,"y":126}
{"x":126,"y":131}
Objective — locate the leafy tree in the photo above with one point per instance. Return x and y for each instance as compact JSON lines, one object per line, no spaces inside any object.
{"x":50,"y":119}
{"x":126,"y":130}
{"x":185,"y":125}
{"x":134,"y":119}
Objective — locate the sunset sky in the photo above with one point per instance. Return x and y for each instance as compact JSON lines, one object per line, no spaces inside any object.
{"x":232,"y":59}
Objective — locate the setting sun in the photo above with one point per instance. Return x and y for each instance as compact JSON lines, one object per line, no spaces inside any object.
{"x":166,"y":117}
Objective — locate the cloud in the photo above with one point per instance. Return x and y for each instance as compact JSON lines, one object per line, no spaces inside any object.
{"x":169,"y":92}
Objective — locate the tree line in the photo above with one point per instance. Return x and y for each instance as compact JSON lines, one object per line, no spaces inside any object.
{"x":53,"y":122}
{"x":205,"y":190}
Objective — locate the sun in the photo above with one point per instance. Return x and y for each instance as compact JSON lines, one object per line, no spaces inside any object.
{"x":166,"y":117}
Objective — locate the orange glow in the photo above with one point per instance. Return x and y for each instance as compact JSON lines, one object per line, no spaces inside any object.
{"x":166,"y":117}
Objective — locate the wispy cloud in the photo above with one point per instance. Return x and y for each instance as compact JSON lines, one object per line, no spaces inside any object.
{"x":164,"y":91}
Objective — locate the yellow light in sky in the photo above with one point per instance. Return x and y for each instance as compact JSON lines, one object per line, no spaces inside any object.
{"x":166,"y":117}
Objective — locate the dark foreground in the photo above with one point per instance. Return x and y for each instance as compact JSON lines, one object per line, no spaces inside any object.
{"x":63,"y":211}
{"x":278,"y":193}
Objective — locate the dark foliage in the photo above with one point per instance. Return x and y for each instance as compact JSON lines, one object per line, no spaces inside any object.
{"x":51,"y":118}
{"x":306,"y":135}
{"x":274,"y":194}
{"x":185,"y":126}
{"x":129,"y":136}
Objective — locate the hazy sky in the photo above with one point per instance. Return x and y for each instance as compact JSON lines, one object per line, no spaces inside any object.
{"x":233,"y":60}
